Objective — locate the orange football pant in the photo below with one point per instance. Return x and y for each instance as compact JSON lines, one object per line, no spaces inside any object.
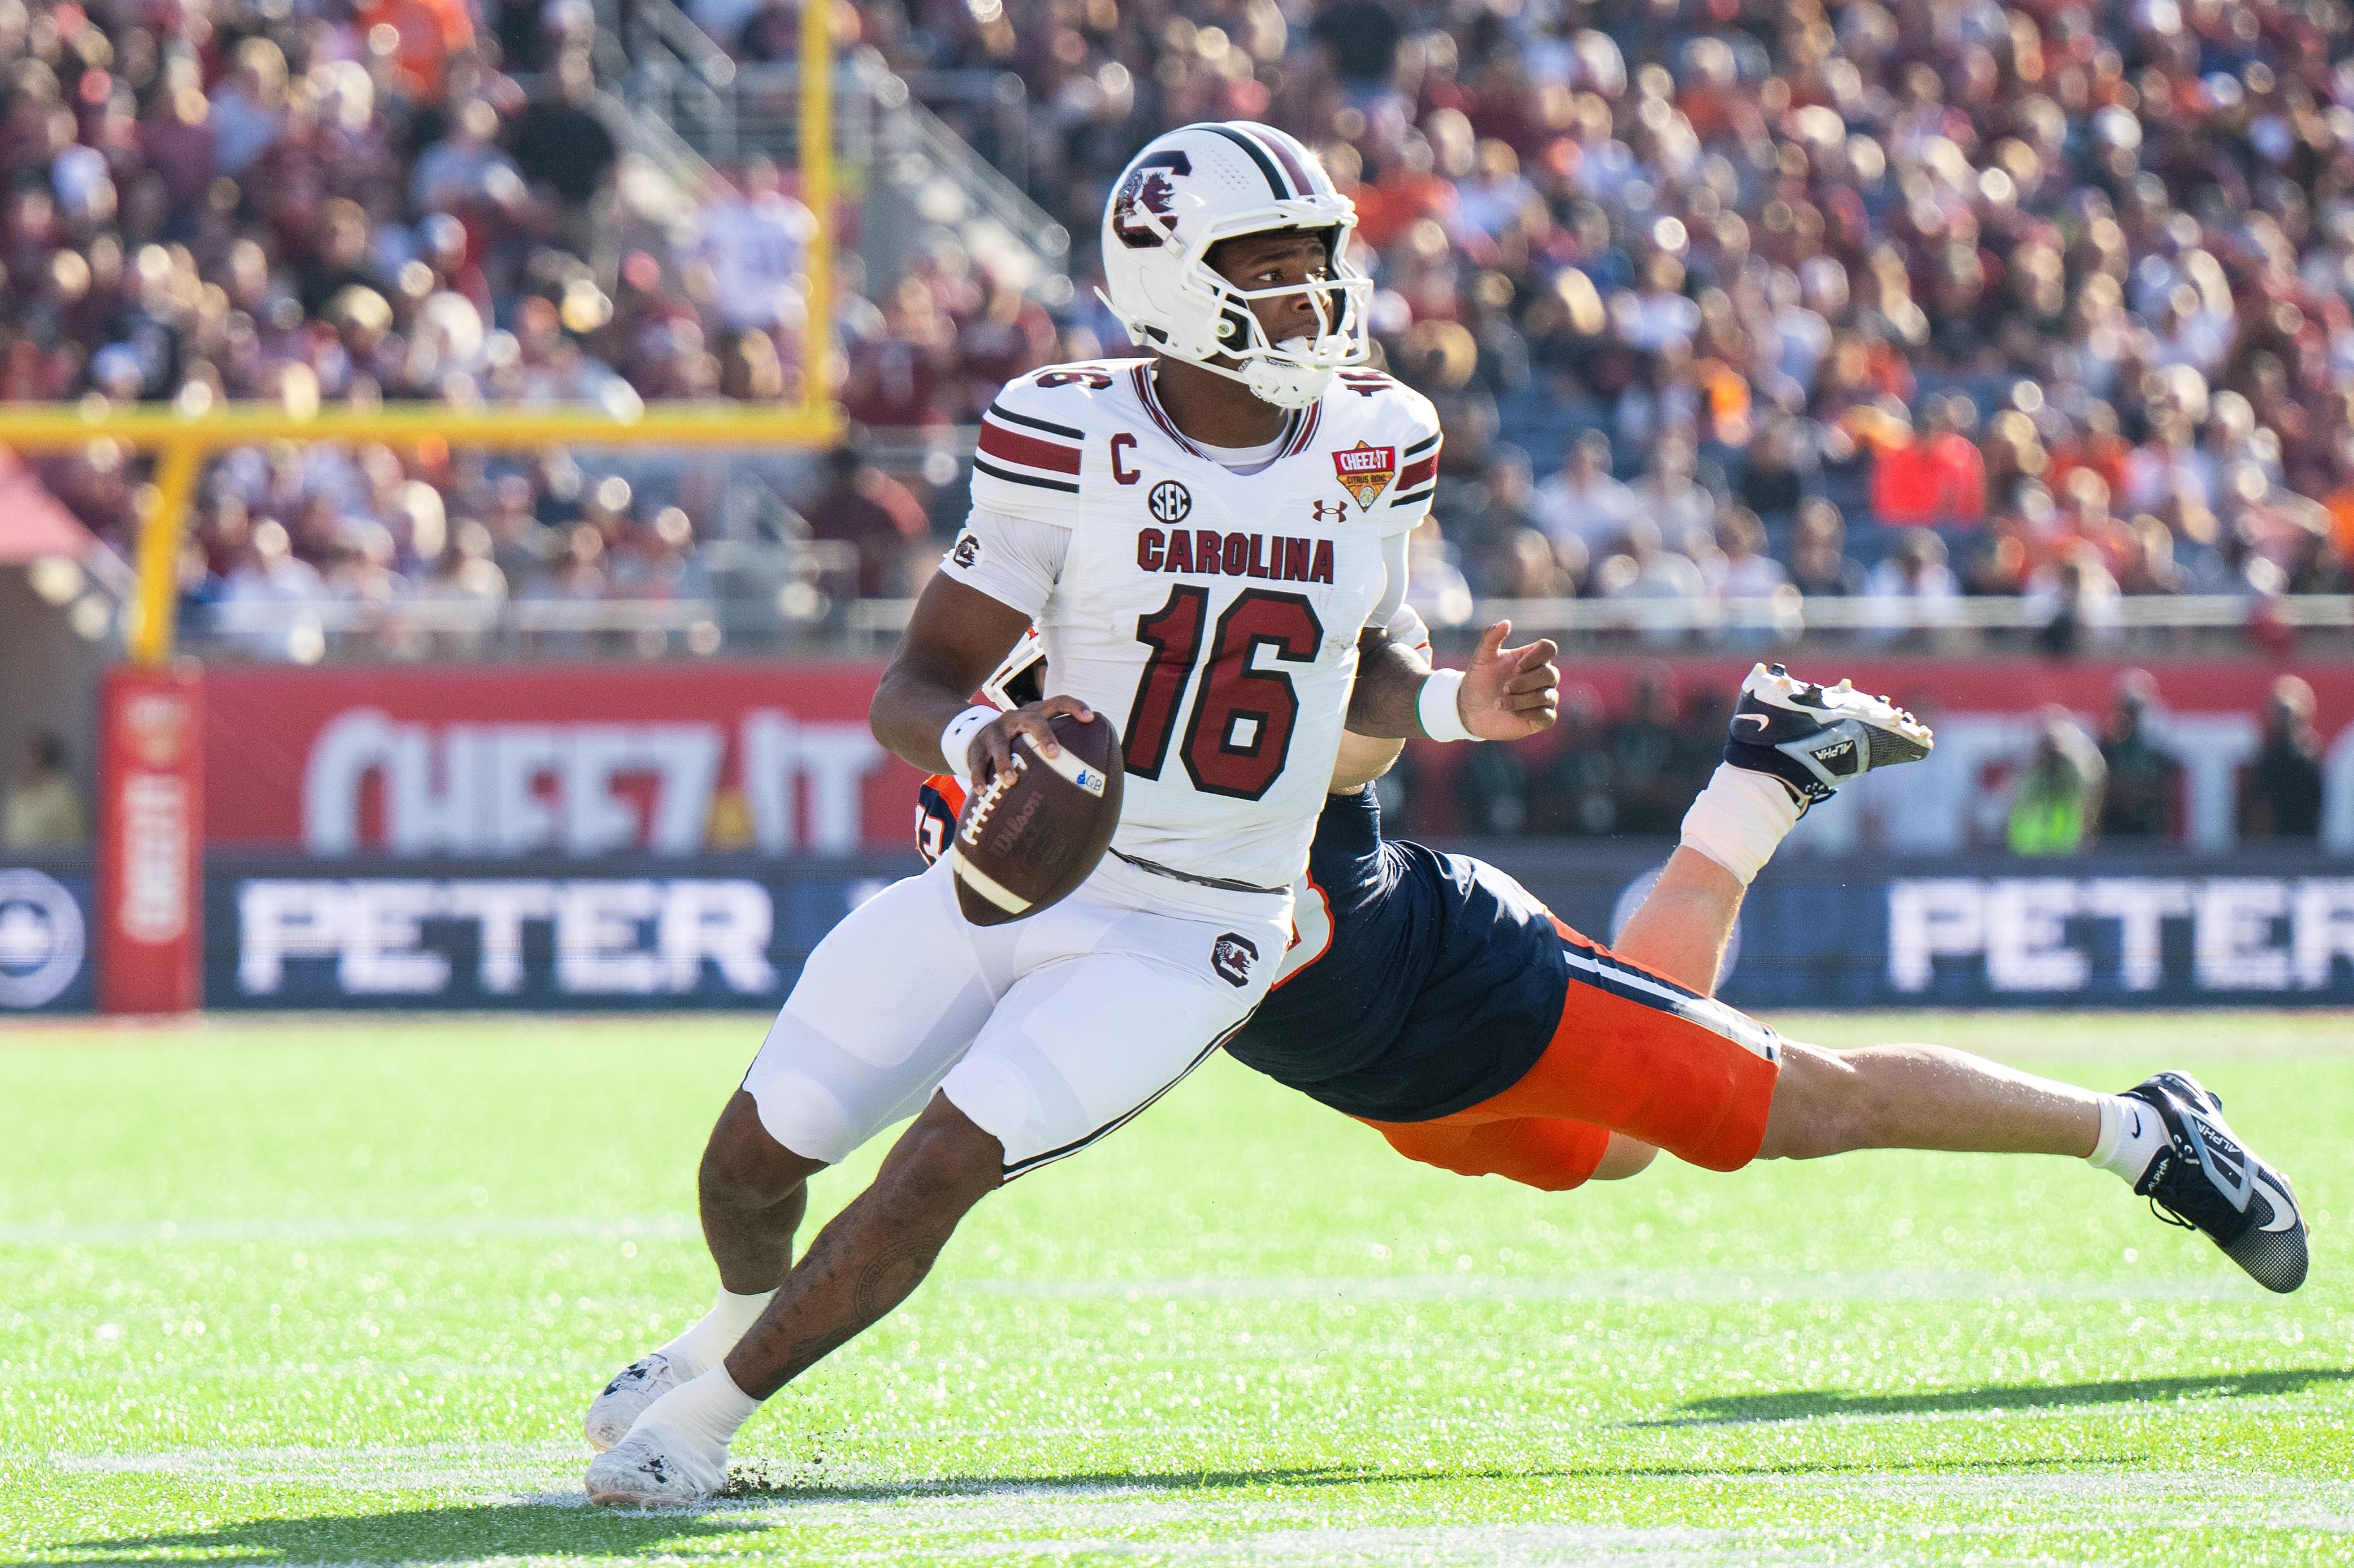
{"x":1633,"y":1053}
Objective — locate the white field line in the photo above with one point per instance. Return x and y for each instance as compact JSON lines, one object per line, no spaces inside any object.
{"x":1275,"y":1525}
{"x":1497,"y":1546}
{"x":2217,"y":1403}
{"x":1098,"y":1503}
{"x":1749,"y":1286}
{"x":1788,"y":1521}
{"x":1647,"y":1286}
{"x":426,"y":1466}
{"x":1427,"y":1546}
{"x":325,"y":1232}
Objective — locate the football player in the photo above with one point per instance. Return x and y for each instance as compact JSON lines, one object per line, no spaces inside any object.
{"x":1433,"y":998}
{"x":1211,"y":539}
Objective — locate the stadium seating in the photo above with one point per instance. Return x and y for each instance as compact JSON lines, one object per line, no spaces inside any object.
{"x":1883,"y":302}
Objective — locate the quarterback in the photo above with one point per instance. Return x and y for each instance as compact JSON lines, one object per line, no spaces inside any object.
{"x":1211,"y":540}
{"x":1433,"y":998}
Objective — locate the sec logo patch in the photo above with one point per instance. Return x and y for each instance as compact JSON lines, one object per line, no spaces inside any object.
{"x":1169,"y":502}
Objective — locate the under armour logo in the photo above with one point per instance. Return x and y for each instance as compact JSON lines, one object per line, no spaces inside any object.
{"x":1337,"y":509}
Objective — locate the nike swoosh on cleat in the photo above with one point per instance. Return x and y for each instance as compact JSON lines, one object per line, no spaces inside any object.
{"x":2283,"y":1211}
{"x":1760,"y":720}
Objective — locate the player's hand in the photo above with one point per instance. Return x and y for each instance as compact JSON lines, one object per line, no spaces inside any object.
{"x":1510,"y":693}
{"x":992,"y":749}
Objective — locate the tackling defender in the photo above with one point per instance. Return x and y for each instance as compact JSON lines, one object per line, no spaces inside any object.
{"x":1432,"y":998}
{"x":1211,"y":541}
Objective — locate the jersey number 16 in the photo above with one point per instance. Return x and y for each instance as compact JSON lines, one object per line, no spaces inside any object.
{"x":1239,"y":735}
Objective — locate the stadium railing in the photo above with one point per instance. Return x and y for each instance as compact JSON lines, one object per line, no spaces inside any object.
{"x":807,"y":610}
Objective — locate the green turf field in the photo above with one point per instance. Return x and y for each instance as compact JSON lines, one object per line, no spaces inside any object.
{"x":325,"y":1291}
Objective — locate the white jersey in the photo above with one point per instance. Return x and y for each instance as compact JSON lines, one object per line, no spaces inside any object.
{"x":1211,"y":615}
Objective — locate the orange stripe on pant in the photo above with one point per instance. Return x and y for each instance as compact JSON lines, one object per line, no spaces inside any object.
{"x":1619,"y":1061}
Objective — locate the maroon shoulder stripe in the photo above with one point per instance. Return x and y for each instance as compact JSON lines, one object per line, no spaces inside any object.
{"x":1012,"y":445}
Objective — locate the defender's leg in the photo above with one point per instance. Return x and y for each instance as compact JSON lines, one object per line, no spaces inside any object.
{"x":1793,"y":743}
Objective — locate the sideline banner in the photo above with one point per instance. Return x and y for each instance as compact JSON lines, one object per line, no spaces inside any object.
{"x":581,"y":760}
{"x":585,"y":760}
{"x":2111,"y":931}
{"x":150,"y":786}
{"x":2108,"y":929}
{"x":45,"y":950}
{"x":537,"y":937}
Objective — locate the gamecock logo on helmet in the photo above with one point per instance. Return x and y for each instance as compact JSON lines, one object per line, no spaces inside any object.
{"x":1139,"y":213}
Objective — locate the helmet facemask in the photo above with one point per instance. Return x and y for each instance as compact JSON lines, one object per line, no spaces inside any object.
{"x":1212,"y":323}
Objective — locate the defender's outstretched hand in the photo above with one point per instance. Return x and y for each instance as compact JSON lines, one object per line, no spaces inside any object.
{"x":1508,"y":694}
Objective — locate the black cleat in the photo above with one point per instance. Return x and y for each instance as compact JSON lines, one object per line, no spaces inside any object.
{"x":2205,"y":1179}
{"x":1815,"y":739}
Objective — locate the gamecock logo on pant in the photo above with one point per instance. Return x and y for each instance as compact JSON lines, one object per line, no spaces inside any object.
{"x":1232,"y":955}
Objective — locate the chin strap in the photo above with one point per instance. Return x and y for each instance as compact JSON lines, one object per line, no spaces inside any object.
{"x":1284,"y":386}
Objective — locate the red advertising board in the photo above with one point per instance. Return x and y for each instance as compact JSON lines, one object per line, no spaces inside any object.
{"x":573,"y":759}
{"x":150,"y":862}
{"x":585,"y":760}
{"x":2209,"y":716}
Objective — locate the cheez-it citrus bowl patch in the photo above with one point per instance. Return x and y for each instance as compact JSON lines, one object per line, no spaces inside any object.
{"x":1365,"y":470}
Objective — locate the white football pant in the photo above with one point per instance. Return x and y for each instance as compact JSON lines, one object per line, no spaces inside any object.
{"x":1047,"y":1032}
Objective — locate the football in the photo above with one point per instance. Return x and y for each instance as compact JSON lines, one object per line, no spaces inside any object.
{"x":1030,"y":834}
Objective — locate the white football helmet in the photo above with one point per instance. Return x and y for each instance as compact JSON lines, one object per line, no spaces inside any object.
{"x":1202,"y":184}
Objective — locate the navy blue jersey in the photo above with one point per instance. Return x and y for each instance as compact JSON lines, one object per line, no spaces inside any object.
{"x":1434,"y":982}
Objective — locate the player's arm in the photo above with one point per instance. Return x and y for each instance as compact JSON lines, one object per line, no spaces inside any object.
{"x":923,"y":706}
{"x":1362,"y":761}
{"x":1505,"y":694}
{"x":1363,"y":758}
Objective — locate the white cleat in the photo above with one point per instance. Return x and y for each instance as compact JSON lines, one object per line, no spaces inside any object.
{"x":613,"y":1413}
{"x":1815,"y":739}
{"x":658,"y":1469}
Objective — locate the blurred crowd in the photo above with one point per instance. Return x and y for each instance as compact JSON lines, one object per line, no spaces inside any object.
{"x":1631,"y":770}
{"x":1724,"y":304}
{"x":1921,"y":297}
{"x":2076,"y":788}
{"x":357,"y":202}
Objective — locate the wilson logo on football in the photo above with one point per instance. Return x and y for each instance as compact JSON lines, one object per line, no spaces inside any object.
{"x":1365,"y":470}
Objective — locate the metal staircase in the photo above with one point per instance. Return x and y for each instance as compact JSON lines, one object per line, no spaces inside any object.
{"x":913,"y":178}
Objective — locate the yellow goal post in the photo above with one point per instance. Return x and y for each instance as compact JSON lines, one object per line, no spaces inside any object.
{"x":182,"y":438}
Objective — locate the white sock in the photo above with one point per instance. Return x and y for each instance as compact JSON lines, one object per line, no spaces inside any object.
{"x":2131,"y":1135}
{"x":710,"y":1337}
{"x":1740,"y":820}
{"x":709,"y":1406}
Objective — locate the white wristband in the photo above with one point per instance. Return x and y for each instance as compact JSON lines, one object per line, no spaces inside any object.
{"x":956,"y":740}
{"x":1436,"y":710}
